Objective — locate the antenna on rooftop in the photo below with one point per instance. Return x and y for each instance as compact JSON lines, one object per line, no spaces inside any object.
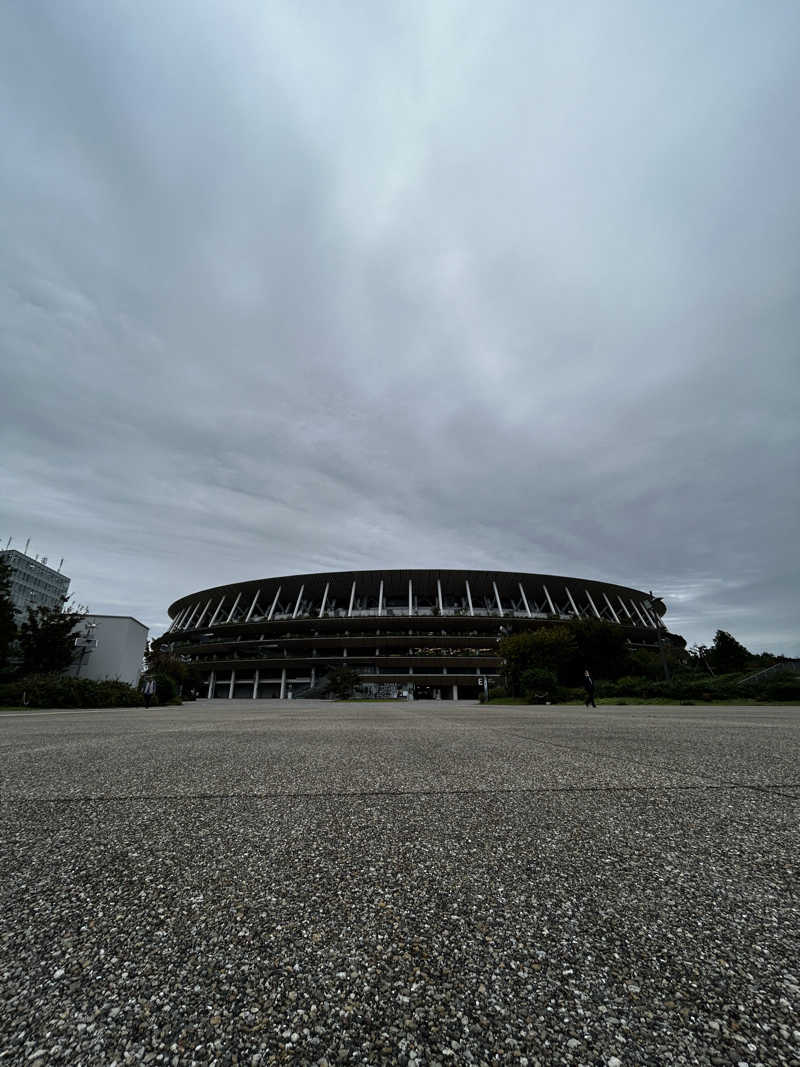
{"x":26,"y":545}
{"x":8,"y":543}
{"x":60,"y":564}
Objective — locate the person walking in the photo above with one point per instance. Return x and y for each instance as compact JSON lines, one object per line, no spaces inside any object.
{"x":149,"y":691}
{"x":588,"y":685}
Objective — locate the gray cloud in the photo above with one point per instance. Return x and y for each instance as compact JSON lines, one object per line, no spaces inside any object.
{"x":501,"y":285}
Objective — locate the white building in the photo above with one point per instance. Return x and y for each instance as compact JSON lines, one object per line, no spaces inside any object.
{"x":109,"y":646}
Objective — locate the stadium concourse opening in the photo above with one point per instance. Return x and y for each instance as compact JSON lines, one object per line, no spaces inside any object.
{"x":429,"y":634}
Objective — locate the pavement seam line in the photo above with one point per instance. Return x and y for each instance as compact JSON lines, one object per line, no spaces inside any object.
{"x":717,"y":783}
{"x":128,"y":797}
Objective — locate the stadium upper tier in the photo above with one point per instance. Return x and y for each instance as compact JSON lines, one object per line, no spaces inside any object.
{"x":411,"y":594}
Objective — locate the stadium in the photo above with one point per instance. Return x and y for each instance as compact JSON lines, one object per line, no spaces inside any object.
{"x":424,"y":634}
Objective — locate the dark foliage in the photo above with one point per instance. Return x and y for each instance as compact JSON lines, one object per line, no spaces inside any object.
{"x":166,"y":687}
{"x":186,"y":677}
{"x":727,"y":654}
{"x":8,"y":626}
{"x":59,"y":691}
{"x":602,"y":647}
{"x":47,"y":639}
{"x":551,"y":648}
{"x":343,"y":682}
{"x":565,"y":650}
{"x":538,"y":685}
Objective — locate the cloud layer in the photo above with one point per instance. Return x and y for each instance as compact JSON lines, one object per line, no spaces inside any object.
{"x":296,"y":288}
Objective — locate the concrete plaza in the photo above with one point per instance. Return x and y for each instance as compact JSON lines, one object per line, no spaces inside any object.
{"x":304,"y":882}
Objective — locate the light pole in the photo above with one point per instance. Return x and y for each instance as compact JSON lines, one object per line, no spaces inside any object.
{"x":651,"y":605}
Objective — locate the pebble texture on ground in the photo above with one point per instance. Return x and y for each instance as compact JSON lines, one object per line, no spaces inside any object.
{"x":240,"y":883}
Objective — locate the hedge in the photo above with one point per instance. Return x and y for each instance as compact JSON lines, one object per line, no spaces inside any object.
{"x":59,"y":691}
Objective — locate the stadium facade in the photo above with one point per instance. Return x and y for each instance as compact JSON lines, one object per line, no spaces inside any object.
{"x":414,"y":633}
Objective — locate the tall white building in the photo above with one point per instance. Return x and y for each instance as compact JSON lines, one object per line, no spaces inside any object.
{"x":33,"y":583}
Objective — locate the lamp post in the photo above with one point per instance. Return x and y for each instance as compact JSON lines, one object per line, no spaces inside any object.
{"x":651,"y":605}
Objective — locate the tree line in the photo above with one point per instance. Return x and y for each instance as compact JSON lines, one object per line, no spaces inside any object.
{"x":547,"y":662}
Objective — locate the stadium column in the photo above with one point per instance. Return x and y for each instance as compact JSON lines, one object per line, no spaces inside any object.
{"x":611,"y":608}
{"x":624,"y":607}
{"x":497,"y":598}
{"x":297,"y":605}
{"x":202,"y":614}
{"x":524,"y":599}
{"x":439,"y":594}
{"x":234,"y":606}
{"x":636,"y":609}
{"x":283,"y":684}
{"x":352,"y":598}
{"x":324,"y":599}
{"x":455,"y":691}
{"x":274,"y":602}
{"x":380,"y":598}
{"x":253,"y":605}
{"x":255,"y":685}
{"x":211,"y":680}
{"x":230,"y":687}
{"x":572,"y":602}
{"x":178,"y":620}
{"x":469,"y":597}
{"x":214,"y":616}
{"x":410,"y":598}
{"x":191,"y":617}
{"x":550,"y":601}
{"x":589,"y":598}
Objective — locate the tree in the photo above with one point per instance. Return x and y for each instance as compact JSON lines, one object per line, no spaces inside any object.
{"x":538,"y":684}
{"x":343,"y":682}
{"x":47,"y":639}
{"x":602,"y":647}
{"x":185,"y":675}
{"x":8,"y":625}
{"x":698,"y":658}
{"x":727,"y":655}
{"x":549,"y":648}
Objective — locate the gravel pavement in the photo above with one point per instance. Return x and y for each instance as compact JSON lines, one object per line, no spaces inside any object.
{"x":247,"y":883}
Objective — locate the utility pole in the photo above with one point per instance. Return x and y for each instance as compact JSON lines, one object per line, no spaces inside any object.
{"x":651,"y":606}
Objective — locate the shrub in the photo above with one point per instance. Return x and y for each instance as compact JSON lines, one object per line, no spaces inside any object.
{"x":166,"y":687}
{"x":538,"y":684}
{"x":59,"y":691}
{"x":778,"y":689}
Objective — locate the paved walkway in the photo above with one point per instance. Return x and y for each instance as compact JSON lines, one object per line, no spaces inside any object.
{"x":253,"y":883}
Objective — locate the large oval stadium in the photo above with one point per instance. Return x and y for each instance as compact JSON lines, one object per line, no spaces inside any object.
{"x":407,"y":633}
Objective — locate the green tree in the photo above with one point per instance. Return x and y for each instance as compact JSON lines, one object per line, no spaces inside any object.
{"x":343,"y":682}
{"x":726,"y":654}
{"x":538,"y":684}
{"x":602,"y":647}
{"x":550,"y":648}
{"x":47,"y":639}
{"x":8,"y":625}
{"x":185,"y":675}
{"x":698,"y":659}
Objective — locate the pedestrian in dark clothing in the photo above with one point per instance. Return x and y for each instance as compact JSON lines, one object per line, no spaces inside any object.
{"x":149,"y":691}
{"x":588,"y":685}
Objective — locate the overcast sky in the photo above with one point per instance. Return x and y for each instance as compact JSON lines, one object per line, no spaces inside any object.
{"x":293,"y":287}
